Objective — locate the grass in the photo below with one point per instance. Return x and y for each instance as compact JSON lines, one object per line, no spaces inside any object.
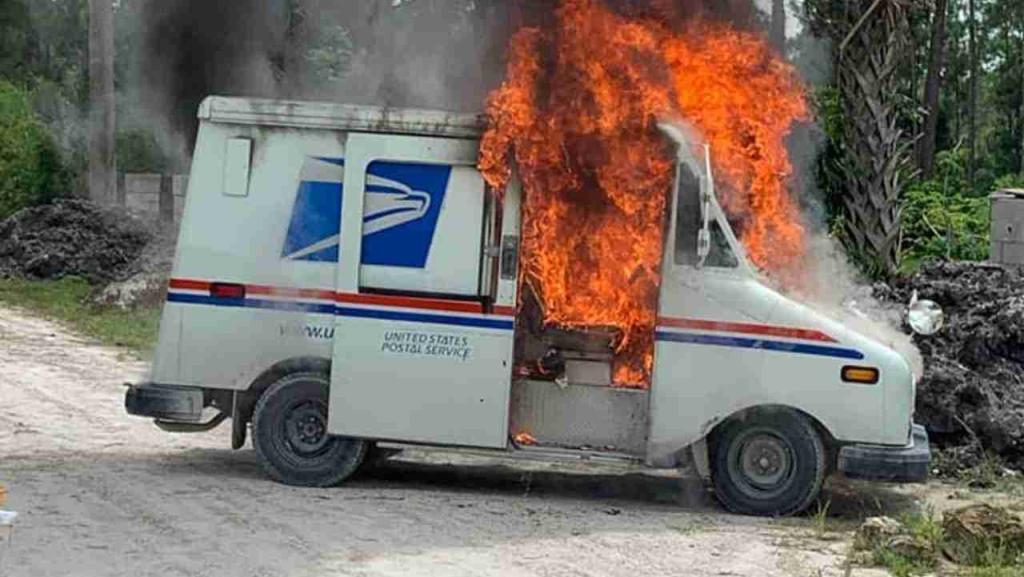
{"x":901,"y":565}
{"x":925,"y":530}
{"x":929,"y":543}
{"x":996,"y":571}
{"x":67,"y":300}
{"x":819,"y":517}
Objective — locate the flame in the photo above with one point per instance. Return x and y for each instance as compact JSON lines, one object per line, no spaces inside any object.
{"x":577,"y":117}
{"x":524,"y":438}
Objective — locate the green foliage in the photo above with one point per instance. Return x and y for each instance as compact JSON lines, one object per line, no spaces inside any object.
{"x":941,"y":219}
{"x":30,"y":167}
{"x":331,"y":56}
{"x":902,"y":565}
{"x":139,"y":151}
{"x":993,"y":557}
{"x":14,"y":38}
{"x":924,"y":541}
{"x":829,"y":113}
{"x":67,"y":300}
{"x":1010,"y":181}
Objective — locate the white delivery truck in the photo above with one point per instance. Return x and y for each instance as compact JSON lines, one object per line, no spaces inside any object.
{"x":345,"y":281}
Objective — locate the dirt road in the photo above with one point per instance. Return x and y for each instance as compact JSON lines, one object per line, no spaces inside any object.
{"x":101,"y":493}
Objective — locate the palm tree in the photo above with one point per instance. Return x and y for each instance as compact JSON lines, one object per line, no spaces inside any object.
{"x":870,"y":39}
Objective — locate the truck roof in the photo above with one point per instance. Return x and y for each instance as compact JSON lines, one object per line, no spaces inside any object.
{"x":349,"y":117}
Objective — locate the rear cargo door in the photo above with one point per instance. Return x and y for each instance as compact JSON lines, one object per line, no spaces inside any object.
{"x":422,"y":352}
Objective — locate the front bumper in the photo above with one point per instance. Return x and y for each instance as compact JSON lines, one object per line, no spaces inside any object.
{"x":164,"y":402}
{"x":907,"y":464}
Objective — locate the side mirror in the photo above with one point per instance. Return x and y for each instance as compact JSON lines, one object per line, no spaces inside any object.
{"x":707,"y":190}
{"x":925,"y":317}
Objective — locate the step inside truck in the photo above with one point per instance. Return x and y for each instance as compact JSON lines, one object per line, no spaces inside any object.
{"x":345,"y":283}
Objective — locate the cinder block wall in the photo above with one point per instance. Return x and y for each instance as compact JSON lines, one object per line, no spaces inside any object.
{"x":142,"y":194}
{"x":1008,"y":227}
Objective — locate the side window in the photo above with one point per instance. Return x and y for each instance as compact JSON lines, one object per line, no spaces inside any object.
{"x":687,"y":217}
{"x":721,"y":254}
{"x":688,"y":223}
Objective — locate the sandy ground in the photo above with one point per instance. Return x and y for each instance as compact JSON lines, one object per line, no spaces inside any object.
{"x":102,"y":493}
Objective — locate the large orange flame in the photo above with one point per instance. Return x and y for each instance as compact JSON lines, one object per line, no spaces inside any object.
{"x":577,"y":117}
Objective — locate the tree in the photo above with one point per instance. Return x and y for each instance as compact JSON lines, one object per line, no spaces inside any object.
{"x":15,"y":38}
{"x":778,"y":25}
{"x":972,"y":98}
{"x":871,"y":42}
{"x":102,"y":105}
{"x":936,"y":63}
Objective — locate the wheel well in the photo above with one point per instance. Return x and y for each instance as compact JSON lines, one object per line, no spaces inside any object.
{"x":248,"y":398}
{"x":831,"y":445}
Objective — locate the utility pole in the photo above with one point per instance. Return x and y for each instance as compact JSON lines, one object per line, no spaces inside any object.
{"x":102,"y":113}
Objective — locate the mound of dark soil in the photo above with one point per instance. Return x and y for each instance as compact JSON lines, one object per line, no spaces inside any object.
{"x":972,"y":390}
{"x":72,"y":238}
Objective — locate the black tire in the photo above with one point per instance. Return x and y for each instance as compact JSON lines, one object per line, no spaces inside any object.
{"x":768,"y":463}
{"x":289,"y":433}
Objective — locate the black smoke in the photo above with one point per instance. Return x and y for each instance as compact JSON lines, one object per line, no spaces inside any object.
{"x":446,"y":54}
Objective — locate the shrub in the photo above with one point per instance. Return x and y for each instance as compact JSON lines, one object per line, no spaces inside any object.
{"x":1010,"y":181}
{"x":30,"y":167}
{"x":941,"y":219}
{"x":139,"y":151}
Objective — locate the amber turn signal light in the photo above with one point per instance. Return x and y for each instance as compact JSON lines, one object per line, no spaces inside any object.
{"x":862,"y":375}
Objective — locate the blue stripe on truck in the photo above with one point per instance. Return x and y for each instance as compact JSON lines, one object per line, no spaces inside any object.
{"x":295,"y":306}
{"x":768,"y":345}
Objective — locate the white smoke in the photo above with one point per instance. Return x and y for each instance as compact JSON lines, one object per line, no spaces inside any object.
{"x":835,"y":288}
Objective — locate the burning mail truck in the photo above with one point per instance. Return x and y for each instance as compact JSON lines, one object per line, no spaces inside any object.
{"x":345,"y":282}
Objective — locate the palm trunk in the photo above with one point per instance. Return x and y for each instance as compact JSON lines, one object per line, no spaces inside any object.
{"x":871,"y":39}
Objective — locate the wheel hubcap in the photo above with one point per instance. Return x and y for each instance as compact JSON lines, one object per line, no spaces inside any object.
{"x":764,"y":461}
{"x":761,"y":464}
{"x":306,"y":428}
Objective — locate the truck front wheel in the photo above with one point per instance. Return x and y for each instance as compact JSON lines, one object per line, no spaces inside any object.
{"x":768,"y":463}
{"x":289,"y":432}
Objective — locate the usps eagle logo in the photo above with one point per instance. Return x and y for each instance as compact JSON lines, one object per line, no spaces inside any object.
{"x":401,"y":205}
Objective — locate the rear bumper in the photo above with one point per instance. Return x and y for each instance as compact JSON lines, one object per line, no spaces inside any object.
{"x":164,"y":402}
{"x":907,"y":464}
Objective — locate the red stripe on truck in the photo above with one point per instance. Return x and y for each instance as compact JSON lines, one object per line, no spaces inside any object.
{"x":274,"y":291}
{"x":189,"y":285}
{"x":349,"y":298}
{"x":745,"y":328}
{"x":254,"y":289}
{"x":411,"y":302}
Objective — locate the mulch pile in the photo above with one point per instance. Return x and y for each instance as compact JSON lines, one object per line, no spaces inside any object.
{"x":971,"y":396}
{"x":72,"y":238}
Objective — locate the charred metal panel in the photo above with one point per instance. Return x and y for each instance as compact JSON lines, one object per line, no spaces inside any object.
{"x":581,"y":416}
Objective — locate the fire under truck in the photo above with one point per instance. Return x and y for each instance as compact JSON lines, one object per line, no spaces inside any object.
{"x":344,"y":283}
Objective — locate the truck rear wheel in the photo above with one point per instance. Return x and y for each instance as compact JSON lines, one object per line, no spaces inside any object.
{"x":769,"y":463}
{"x":289,"y":432}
